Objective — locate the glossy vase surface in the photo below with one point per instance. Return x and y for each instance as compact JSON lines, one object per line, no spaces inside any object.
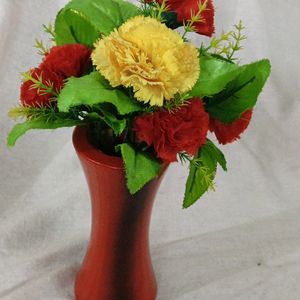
{"x":117,"y":265}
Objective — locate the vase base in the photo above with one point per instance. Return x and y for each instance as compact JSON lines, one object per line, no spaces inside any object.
{"x":113,"y":292}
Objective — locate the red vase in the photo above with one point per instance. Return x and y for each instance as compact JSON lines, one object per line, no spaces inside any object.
{"x":117,"y":265}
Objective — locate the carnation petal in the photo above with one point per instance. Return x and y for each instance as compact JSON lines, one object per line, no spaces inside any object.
{"x":147,"y":56}
{"x":173,"y":132}
{"x":228,"y":133}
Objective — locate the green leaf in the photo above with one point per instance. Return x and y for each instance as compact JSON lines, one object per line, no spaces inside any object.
{"x":230,"y":89}
{"x":117,"y":125}
{"x":83,"y":21}
{"x":217,"y":153}
{"x":170,"y":19}
{"x":74,"y":28}
{"x":215,"y":74}
{"x":140,"y":167}
{"x":202,"y":172}
{"x":22,"y":128}
{"x":241,"y":93}
{"x":113,"y":122}
{"x":127,"y":10}
{"x":94,"y":89}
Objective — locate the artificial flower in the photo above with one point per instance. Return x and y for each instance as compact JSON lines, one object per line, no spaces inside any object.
{"x":182,"y":130}
{"x":50,"y":84}
{"x":228,"y":133}
{"x":186,"y":8}
{"x":60,"y":63}
{"x":68,"y":60}
{"x":149,"y":57}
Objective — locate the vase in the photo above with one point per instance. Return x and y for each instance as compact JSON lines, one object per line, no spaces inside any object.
{"x":117,"y":265}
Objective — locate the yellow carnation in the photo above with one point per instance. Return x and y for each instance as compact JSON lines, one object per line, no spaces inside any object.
{"x":149,"y":57}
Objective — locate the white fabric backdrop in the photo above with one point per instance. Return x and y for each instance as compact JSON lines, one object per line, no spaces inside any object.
{"x":241,"y":242}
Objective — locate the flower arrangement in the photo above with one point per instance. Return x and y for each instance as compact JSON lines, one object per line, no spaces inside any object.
{"x":141,"y":88}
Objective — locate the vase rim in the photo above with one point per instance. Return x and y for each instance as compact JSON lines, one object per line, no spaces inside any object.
{"x":90,"y":152}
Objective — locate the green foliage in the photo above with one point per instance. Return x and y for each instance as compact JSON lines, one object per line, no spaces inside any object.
{"x":160,"y":10}
{"x":217,"y":154}
{"x":126,"y":10}
{"x":215,"y":74}
{"x":228,"y":43}
{"x":117,"y":125}
{"x":195,"y":18}
{"x":40,"y":112}
{"x":140,"y":167}
{"x":84,"y":21}
{"x":42,"y":118}
{"x":178,"y":101}
{"x":94,"y":89}
{"x":50,"y":30}
{"x":74,"y":28}
{"x":147,"y":9}
{"x":39,"y":44}
{"x":238,"y":37}
{"x":230,"y":89}
{"x":202,"y":172}
{"x":241,"y":93}
{"x":170,"y":19}
{"x":185,"y":158}
{"x":43,"y":87}
{"x":41,"y":123}
{"x":156,"y":10}
{"x":42,"y":49}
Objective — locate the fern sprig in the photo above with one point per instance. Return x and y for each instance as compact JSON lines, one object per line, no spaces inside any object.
{"x":50,"y":30}
{"x":42,"y":49}
{"x":47,"y":114}
{"x":189,"y":26}
{"x":147,"y":7}
{"x":43,"y":87}
{"x":154,"y":9}
{"x":207,"y":177}
{"x":178,"y":101}
{"x":161,"y":8}
{"x":39,"y":44}
{"x":184,"y":158}
{"x":238,"y":37}
{"x":227,"y":44}
{"x":33,"y":113}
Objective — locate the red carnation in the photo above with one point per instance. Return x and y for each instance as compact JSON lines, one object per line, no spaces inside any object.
{"x":68,"y":60}
{"x":228,"y":133}
{"x":60,"y":63}
{"x":36,"y":97}
{"x":184,"y":10}
{"x":174,"y":132}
